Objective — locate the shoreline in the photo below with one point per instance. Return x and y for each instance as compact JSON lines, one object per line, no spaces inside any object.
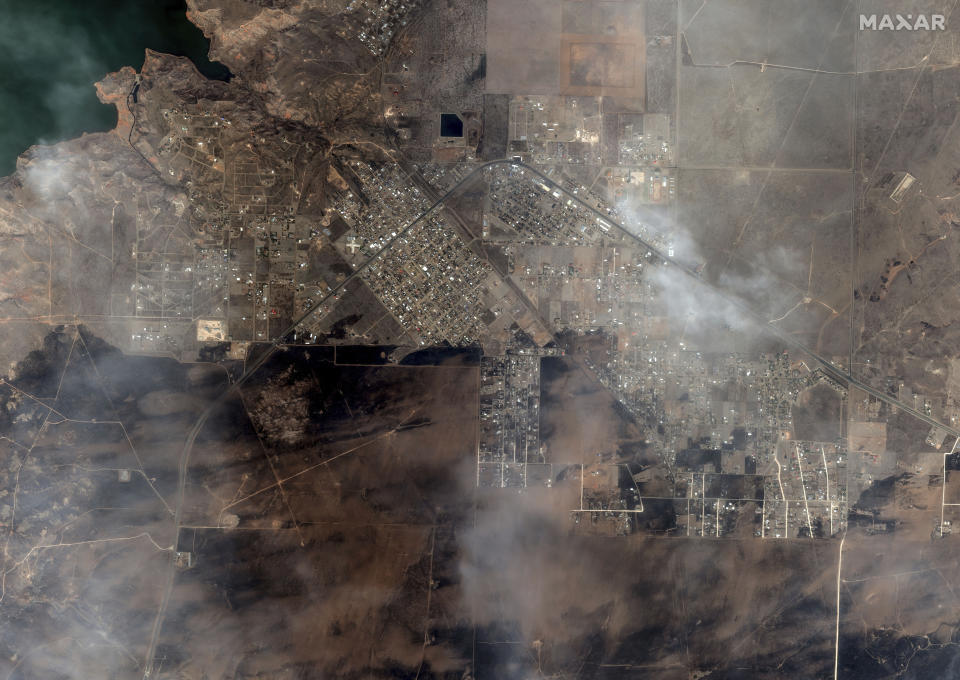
{"x":99,"y":121}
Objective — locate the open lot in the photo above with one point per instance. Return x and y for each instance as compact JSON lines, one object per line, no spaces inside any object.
{"x":570,"y":47}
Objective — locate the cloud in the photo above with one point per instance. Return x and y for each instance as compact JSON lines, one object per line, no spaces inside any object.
{"x":62,"y":102}
{"x":47,"y":176}
{"x":726,"y":293}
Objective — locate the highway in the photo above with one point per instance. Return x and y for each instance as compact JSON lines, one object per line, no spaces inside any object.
{"x":249,"y":370}
{"x":829,"y":368}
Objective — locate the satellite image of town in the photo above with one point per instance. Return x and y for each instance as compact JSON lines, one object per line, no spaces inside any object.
{"x":479,"y":339}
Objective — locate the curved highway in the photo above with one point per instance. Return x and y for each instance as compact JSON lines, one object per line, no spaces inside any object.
{"x":828,"y":367}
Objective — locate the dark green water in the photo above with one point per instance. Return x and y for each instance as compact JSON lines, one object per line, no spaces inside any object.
{"x":53,"y":51}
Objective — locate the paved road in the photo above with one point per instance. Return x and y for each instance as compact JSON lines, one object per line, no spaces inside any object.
{"x":250,"y":369}
{"x":828,"y":367}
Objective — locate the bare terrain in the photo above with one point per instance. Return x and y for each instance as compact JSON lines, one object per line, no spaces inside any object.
{"x":489,"y":341}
